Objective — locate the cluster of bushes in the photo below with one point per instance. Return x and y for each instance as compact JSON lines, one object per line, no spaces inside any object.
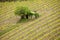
{"x":26,"y":13}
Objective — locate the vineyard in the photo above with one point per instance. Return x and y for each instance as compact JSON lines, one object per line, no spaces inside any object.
{"x":46,"y":27}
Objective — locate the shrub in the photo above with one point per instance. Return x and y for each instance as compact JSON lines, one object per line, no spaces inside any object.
{"x":22,"y":11}
{"x":25,"y":12}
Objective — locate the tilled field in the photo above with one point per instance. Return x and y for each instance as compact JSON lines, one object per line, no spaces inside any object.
{"x":46,"y":27}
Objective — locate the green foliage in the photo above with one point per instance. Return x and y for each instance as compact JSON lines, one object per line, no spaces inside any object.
{"x":25,"y":13}
{"x":22,"y":11}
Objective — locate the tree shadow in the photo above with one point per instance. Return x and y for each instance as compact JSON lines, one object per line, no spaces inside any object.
{"x":22,"y":20}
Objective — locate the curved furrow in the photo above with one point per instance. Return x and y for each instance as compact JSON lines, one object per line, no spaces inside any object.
{"x":51,"y":34}
{"x":6,"y":33}
{"x":17,"y":27}
{"x":39,"y":34}
{"x":55,"y":35}
{"x":31,"y":30}
{"x":41,"y":37}
{"x":47,"y":36}
{"x":21,"y":31}
{"x":45,"y":31}
{"x":21,"y":24}
{"x":56,"y":27}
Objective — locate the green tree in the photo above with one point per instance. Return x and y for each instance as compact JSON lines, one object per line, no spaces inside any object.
{"x":25,"y":12}
{"x":22,"y":11}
